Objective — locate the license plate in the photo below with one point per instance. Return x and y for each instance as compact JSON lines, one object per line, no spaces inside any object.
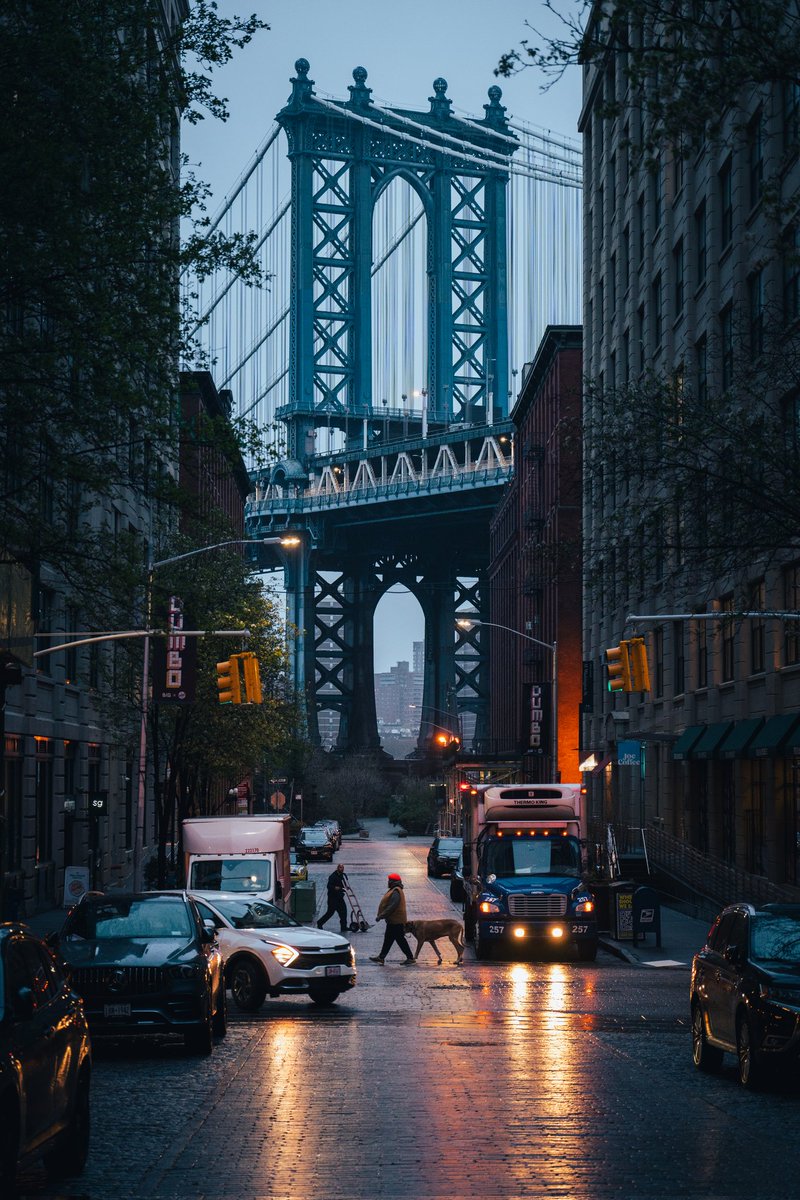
{"x":116,"y":1010}
{"x":333,"y":970}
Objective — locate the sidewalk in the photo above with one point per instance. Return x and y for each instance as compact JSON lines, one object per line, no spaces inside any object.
{"x":681,"y":937}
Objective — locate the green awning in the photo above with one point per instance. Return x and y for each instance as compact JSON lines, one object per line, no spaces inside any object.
{"x":739,"y":738}
{"x":687,"y":740}
{"x":709,"y":742}
{"x":775,"y":732}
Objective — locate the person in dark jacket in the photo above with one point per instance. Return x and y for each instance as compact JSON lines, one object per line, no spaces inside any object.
{"x":336,"y":898}
{"x":392,"y":910}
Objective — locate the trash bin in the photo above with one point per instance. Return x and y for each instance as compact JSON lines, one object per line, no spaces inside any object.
{"x":304,"y":902}
{"x":622,"y":910}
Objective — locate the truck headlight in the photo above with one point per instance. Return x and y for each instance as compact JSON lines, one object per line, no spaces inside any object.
{"x":489,"y":906}
{"x":584,"y":905}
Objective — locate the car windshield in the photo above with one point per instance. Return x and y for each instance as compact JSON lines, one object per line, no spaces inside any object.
{"x":254,"y":914}
{"x":450,"y":845}
{"x":101,"y":920}
{"x":231,"y":875}
{"x":533,"y":856}
{"x":314,"y":837}
{"x":775,"y":937}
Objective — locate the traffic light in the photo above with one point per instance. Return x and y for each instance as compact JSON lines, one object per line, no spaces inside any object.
{"x":252,"y":679}
{"x":639,"y":670}
{"x":229,"y":684}
{"x":619,"y":668}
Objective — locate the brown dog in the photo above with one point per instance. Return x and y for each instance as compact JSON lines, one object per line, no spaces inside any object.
{"x":429,"y":931}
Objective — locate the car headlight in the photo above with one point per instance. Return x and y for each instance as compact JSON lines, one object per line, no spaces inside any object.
{"x":285,"y":955}
{"x":184,"y":971}
{"x":489,"y":906}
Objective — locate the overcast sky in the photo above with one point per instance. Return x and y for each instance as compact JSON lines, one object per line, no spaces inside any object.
{"x":404,"y":46}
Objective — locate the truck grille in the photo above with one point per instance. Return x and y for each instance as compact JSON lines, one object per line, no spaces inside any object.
{"x":540,"y":908}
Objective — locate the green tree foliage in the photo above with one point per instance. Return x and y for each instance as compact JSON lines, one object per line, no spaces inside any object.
{"x":346,"y":789}
{"x":413,"y":807}
{"x":91,"y":201}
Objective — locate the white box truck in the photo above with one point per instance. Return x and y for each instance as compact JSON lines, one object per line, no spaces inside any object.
{"x":248,"y":855}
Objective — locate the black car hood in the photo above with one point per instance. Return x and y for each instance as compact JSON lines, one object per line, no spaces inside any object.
{"x":128,"y":952}
{"x":779,"y":974}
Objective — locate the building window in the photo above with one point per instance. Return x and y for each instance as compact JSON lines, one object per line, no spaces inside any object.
{"x":678,"y":659}
{"x":657,"y":194}
{"x":755,"y":158}
{"x":11,"y":803}
{"x":626,"y":356}
{"x":726,"y":346}
{"x":791,"y":117}
{"x":755,"y":301}
{"x":612,"y":286}
{"x":626,"y":257}
{"x":791,"y":603}
{"x":612,"y":185}
{"x":72,"y":619}
{"x":727,"y":640}
{"x":791,"y":276}
{"x":701,"y":358}
{"x":677,"y":269}
{"x":701,"y":244}
{"x":658,"y":660}
{"x":44,"y":624}
{"x":640,"y":226}
{"x":640,"y":337}
{"x":701,"y":649}
{"x":658,"y":315}
{"x":725,"y":206}
{"x":43,"y":849}
{"x":677,"y":170}
{"x":757,"y":603}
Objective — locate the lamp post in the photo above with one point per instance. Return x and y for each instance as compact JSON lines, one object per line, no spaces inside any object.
{"x":468,"y":622}
{"x":138,"y":836}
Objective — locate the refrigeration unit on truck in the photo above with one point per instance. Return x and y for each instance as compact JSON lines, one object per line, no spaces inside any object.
{"x":248,"y":855}
{"x":524,"y":876}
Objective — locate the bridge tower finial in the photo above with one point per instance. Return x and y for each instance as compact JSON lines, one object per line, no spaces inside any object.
{"x":302,"y":86}
{"x":495,"y":111}
{"x":360,"y":94}
{"x":440,"y":105}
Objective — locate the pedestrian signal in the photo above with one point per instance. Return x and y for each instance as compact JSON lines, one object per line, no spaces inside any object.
{"x":229,"y":685}
{"x":619,"y":668}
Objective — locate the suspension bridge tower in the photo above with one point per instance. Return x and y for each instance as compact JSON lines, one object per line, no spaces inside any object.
{"x":404,"y":496}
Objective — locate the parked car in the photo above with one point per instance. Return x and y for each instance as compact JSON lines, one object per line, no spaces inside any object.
{"x":145,"y":964}
{"x":314,"y":843}
{"x":745,"y":991}
{"x":443,"y":855}
{"x":45,"y":1060}
{"x":334,"y":831}
{"x":268,"y":952}
{"x":298,"y":869}
{"x":457,"y":881}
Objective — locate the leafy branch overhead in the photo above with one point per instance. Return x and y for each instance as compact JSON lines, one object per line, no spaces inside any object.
{"x":679,"y":66}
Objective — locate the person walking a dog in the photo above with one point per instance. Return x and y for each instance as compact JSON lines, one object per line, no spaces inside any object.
{"x":336,"y":898}
{"x":392,"y":910}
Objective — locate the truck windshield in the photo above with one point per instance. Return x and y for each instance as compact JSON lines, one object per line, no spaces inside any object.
{"x":231,"y":875}
{"x":533,"y":856}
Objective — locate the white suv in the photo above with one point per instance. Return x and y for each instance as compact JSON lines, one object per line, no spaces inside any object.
{"x":267,"y":952}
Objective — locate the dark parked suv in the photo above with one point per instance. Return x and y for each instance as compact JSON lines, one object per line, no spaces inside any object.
{"x":745,"y":991}
{"x":444,"y":855}
{"x":45,"y":1060}
{"x":145,"y":963}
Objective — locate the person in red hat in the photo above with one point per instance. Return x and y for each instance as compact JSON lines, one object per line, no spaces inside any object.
{"x":392,"y":910}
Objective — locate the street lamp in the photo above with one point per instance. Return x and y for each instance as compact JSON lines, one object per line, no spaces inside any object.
{"x":138,"y":838}
{"x":469,"y":622}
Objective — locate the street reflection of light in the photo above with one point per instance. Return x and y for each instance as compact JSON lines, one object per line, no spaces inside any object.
{"x":521,"y":977}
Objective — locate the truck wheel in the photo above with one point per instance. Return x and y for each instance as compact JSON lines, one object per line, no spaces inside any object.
{"x":248,"y":984}
{"x":482,"y":948}
{"x":587,"y":951}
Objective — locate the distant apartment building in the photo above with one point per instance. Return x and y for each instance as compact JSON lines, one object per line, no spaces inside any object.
{"x":535,"y":572}
{"x":398,"y":696}
{"x":692,"y":301}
